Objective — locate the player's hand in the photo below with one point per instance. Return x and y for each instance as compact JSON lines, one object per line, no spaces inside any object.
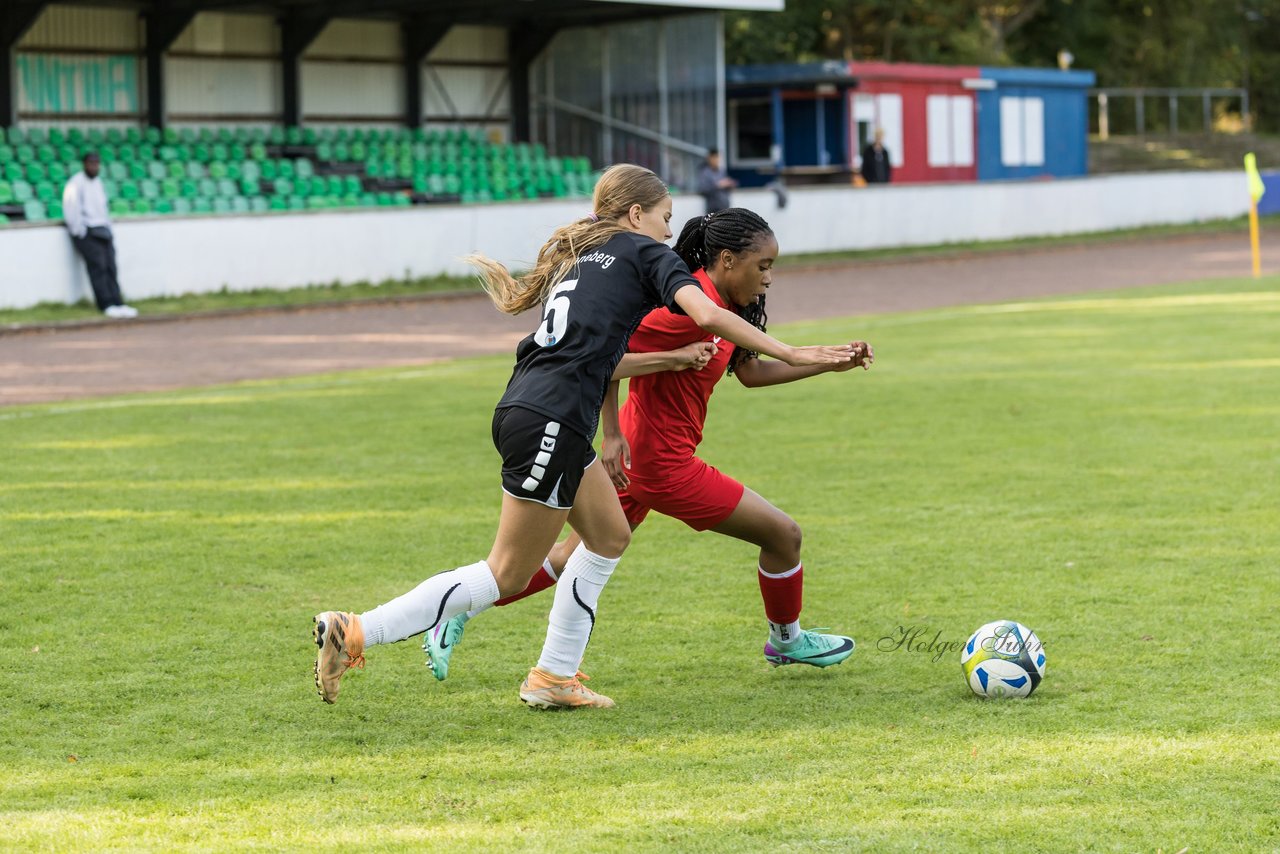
{"x":863,"y":357}
{"x":615,"y":453}
{"x":839,"y":354}
{"x":695,"y":355}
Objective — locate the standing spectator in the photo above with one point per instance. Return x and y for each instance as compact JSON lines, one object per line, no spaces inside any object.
{"x":876,"y":168}
{"x":84,"y":209}
{"x":714,"y":183}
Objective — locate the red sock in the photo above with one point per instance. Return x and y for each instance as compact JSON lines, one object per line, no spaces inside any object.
{"x":542,"y":579}
{"x":782,"y":594}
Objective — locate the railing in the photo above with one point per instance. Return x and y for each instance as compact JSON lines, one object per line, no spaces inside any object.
{"x":1170,"y":96}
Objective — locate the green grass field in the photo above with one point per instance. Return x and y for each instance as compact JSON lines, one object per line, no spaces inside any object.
{"x":1103,"y":469}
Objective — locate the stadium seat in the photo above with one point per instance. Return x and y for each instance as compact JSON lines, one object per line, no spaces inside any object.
{"x":6,"y":193}
{"x":34,"y":211}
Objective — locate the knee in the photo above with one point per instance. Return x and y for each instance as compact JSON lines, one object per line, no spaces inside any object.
{"x":610,"y":543}
{"x":788,"y":538}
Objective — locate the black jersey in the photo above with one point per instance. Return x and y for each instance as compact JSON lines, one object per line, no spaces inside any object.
{"x":563,"y":369}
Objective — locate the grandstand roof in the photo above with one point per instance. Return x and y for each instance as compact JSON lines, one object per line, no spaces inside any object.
{"x":554,"y":13}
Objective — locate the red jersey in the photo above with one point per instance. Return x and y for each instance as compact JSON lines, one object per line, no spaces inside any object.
{"x":664,"y":413}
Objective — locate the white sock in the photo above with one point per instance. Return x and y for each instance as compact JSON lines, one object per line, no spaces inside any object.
{"x":433,"y":601}
{"x":783,"y":635}
{"x":573,"y":613}
{"x":480,"y":609}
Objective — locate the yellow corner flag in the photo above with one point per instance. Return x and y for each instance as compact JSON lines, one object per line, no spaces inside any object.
{"x":1256,"y":189}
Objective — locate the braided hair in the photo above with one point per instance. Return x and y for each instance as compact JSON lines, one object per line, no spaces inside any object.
{"x":739,"y":230}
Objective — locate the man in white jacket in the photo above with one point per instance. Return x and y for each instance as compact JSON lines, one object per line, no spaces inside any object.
{"x":84,"y":210}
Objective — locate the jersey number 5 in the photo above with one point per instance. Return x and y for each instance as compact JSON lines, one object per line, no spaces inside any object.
{"x":555,"y":316}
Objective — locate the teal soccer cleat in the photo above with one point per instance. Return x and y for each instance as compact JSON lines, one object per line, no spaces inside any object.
{"x":812,"y":648}
{"x":439,"y":645}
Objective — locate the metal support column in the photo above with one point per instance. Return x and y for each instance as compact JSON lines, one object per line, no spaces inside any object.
{"x":16,"y":17}
{"x":298,"y":29}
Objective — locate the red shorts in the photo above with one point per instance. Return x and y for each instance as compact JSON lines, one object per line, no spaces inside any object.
{"x":699,"y":495}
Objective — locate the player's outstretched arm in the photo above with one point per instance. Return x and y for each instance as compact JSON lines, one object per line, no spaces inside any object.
{"x":726,"y":324}
{"x":755,"y":373}
{"x":615,"y":452}
{"x":695,"y":356}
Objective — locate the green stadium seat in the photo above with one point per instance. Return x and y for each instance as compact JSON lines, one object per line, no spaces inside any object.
{"x":240,"y":205}
{"x":208,"y":188}
{"x":250,"y":188}
{"x":228,"y":188}
{"x":129,"y":190}
{"x":6,"y":152}
{"x":46,"y":192}
{"x":6,"y":193}
{"x":258,"y":151}
{"x":217,"y":169}
{"x":285,"y":168}
{"x":278,"y":203}
{"x":249,"y":170}
{"x":189,"y":189}
{"x":110,"y":186}
{"x":202,"y":205}
{"x":149,"y":189}
{"x":219,"y":151}
{"x":126,"y":154}
{"x":297,"y":203}
{"x":221,"y":205}
{"x":170,"y":188}
{"x":137,"y":171}
{"x":157,"y":171}
{"x":132,"y":136}
{"x":153,"y":136}
{"x":141,"y":206}
{"x":36,"y":172}
{"x":34,"y":211}
{"x":268,"y":170}
{"x":116,"y":171}
{"x":118,"y":207}
{"x":163,"y":206}
{"x":22,"y":192}
{"x":195,"y":169}
{"x":283,"y":187}
{"x":259,"y":204}
{"x":302,"y":168}
{"x":182,"y":206}
{"x":13,"y":171}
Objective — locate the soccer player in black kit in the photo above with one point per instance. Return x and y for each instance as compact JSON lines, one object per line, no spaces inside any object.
{"x":595,"y":280}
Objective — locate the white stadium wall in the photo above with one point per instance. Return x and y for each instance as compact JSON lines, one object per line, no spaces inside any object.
{"x":194,"y":255}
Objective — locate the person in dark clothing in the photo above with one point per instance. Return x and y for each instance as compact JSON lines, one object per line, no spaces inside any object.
{"x":714,"y":183}
{"x":84,"y":210}
{"x":876,"y":165}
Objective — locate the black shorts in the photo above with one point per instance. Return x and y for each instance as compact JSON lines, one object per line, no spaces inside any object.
{"x":542,"y":460}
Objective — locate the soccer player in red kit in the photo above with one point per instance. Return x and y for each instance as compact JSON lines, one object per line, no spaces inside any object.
{"x":732,"y":252}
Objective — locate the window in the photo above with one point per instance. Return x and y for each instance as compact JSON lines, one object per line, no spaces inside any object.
{"x":751,"y":132}
{"x":950,"y":128}
{"x":1022,"y":131}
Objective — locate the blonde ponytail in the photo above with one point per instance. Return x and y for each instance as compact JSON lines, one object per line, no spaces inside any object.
{"x":618,"y":189}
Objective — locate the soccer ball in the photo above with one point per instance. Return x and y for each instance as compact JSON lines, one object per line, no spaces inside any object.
{"x":1003,"y":659}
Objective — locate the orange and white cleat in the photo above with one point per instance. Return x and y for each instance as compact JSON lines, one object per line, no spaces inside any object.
{"x":543,"y":690}
{"x":339,"y":637}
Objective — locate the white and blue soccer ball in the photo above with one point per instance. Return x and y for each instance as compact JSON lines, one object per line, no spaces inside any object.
{"x":1003,"y":659}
